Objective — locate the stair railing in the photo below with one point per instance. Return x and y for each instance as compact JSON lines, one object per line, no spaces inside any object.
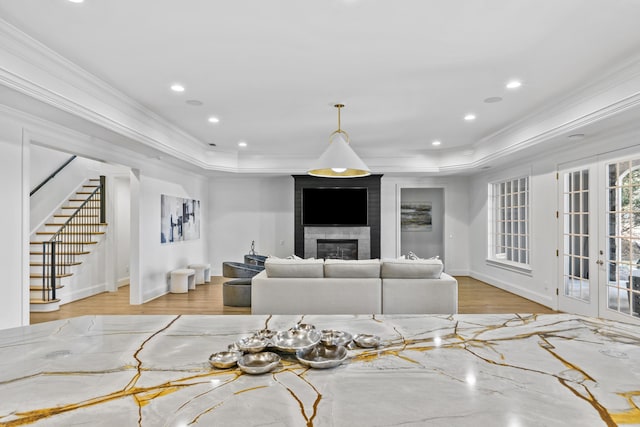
{"x":50,"y":177}
{"x":61,"y":252}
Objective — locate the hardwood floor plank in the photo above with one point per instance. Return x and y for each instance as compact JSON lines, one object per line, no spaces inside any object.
{"x":474,"y":296}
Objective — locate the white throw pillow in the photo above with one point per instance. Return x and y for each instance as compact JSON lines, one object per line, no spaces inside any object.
{"x":365,"y":268}
{"x":411,"y":269}
{"x":304,"y":268}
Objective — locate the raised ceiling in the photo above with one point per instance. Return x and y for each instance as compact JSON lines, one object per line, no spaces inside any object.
{"x":407,"y":71}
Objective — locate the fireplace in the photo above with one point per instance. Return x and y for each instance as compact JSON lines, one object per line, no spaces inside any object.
{"x":358,"y":238}
{"x":337,"y":248}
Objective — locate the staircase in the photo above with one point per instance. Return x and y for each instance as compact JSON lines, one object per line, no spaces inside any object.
{"x":63,"y":244}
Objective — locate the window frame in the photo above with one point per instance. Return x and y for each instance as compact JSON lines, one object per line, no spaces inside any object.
{"x":514,"y":225}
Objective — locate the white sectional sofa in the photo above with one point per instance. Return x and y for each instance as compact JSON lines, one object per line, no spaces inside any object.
{"x":353,"y":287}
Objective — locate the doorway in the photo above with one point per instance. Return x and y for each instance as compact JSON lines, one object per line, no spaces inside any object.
{"x":599,"y":247}
{"x":422,"y":222}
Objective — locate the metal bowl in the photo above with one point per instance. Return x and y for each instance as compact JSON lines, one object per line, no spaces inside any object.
{"x":322,"y":357}
{"x":253,"y":344}
{"x":265,"y":333}
{"x":366,"y":341}
{"x":296,"y":339}
{"x":304,"y":326}
{"x":258,"y":363}
{"x":334,"y":338}
{"x":224,"y":359}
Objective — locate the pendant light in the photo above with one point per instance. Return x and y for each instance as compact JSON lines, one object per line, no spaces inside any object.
{"x":339,"y":160}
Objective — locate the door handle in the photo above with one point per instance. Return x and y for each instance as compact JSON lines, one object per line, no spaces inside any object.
{"x":599,"y":262}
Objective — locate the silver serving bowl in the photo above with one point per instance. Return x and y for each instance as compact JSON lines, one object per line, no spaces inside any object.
{"x":304,"y":326}
{"x":322,"y":357}
{"x":224,"y":359}
{"x":252,"y":344}
{"x":258,"y":363}
{"x":334,"y":338}
{"x":366,"y":341}
{"x":296,"y":339}
{"x":265,"y":333}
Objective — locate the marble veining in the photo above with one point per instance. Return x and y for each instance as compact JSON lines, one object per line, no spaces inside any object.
{"x":438,"y":370}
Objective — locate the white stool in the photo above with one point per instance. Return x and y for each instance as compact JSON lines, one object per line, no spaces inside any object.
{"x":182,"y":280}
{"x":203,"y":272}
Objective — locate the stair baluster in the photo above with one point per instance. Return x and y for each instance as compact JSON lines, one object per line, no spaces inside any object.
{"x":60,"y":252}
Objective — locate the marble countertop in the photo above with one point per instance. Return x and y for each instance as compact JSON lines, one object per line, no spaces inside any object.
{"x":488,"y":370}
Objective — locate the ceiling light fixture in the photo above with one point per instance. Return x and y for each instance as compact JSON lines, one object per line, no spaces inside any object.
{"x":436,"y":143}
{"x":242,"y":144}
{"x":76,"y":1}
{"x":339,"y":160}
{"x":514,"y":84}
{"x":213,"y":119}
{"x":177,"y":87}
{"x":470,"y":117}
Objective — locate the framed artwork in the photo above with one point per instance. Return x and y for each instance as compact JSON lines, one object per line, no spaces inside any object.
{"x":415,"y":216}
{"x":179,"y":219}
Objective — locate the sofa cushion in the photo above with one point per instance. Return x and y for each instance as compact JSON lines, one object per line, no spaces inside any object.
{"x":411,"y":269}
{"x":305,"y":268}
{"x":340,"y":268}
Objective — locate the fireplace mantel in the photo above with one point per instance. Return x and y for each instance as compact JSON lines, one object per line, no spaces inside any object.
{"x":366,"y":249}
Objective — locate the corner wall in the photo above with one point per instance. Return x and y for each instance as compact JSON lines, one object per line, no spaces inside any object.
{"x":250,"y":208}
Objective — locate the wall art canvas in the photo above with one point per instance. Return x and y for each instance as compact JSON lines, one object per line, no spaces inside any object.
{"x":179,"y":219}
{"x":415,"y":216}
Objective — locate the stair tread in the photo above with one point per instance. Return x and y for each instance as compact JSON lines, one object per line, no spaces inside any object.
{"x":40,"y":301}
{"x":63,"y":264}
{"x":40,"y":276}
{"x":70,"y":232}
{"x":78,"y":216}
{"x":39,"y":242}
{"x":55,"y":224}
{"x":77,"y":207}
{"x":48,"y":288}
{"x":63,"y":253}
{"x":83,"y":200}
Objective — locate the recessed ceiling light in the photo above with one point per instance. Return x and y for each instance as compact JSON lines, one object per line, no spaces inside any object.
{"x":76,"y":1}
{"x":194,"y":102}
{"x":436,"y":143}
{"x":242,"y":144}
{"x":514,"y":84}
{"x":176,"y":87}
{"x":213,"y":119}
{"x":492,"y":100}
{"x":470,"y":117}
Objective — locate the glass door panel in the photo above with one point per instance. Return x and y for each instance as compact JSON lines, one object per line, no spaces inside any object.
{"x":621,"y":291}
{"x":579,"y":281}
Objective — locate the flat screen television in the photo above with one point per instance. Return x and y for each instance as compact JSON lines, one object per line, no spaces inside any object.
{"x":334,"y":206}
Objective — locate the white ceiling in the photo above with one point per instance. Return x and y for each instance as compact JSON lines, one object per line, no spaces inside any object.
{"x":408,"y":71}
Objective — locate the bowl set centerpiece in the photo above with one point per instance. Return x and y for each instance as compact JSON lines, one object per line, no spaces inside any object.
{"x":262,"y":351}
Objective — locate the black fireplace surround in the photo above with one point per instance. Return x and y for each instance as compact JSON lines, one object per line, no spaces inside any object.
{"x":371,"y":183}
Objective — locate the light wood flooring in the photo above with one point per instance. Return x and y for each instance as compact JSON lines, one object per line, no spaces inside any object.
{"x":474,"y":296}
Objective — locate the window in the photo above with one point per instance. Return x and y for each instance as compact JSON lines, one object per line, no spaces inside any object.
{"x":509,"y":222}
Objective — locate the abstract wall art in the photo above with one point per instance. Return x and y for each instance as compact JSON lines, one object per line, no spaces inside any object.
{"x":179,"y":219}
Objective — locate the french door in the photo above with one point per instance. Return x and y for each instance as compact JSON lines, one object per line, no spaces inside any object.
{"x":599,"y":251}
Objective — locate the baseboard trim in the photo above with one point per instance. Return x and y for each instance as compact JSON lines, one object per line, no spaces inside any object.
{"x":545,"y":300}
{"x":458,"y":272}
{"x":123,"y":282}
{"x":78,"y":294}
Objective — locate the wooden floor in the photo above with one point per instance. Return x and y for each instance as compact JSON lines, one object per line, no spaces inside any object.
{"x":474,"y":296}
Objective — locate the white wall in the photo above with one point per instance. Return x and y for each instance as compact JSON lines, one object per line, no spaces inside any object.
{"x":158,"y":260}
{"x":456,"y":217}
{"x":243,"y":209}
{"x":44,"y":161}
{"x":425,"y":244}
{"x":13,"y":250}
{"x":122,"y":221}
{"x":540,"y":285}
